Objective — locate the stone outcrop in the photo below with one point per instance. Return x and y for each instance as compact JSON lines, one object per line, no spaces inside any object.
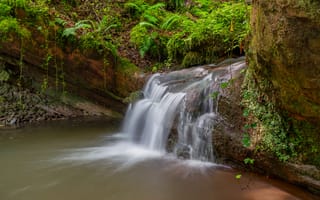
{"x":284,"y":65}
{"x":285,"y":49}
{"x":228,"y":145}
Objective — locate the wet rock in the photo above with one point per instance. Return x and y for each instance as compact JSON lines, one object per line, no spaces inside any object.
{"x":228,"y":147}
{"x":183,"y":152}
{"x":285,"y":50}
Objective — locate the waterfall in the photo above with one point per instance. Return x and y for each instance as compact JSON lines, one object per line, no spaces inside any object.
{"x":180,"y":103}
{"x":149,"y":120}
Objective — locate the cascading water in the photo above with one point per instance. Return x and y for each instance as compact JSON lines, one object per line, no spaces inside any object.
{"x":149,"y":121}
{"x":185,"y":101}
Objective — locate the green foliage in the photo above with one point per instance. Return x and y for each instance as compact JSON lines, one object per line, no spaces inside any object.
{"x":153,"y":13}
{"x":146,"y":35}
{"x":5,"y":9}
{"x":246,"y":140}
{"x":175,"y":4}
{"x":273,"y":126}
{"x":248,"y":161}
{"x":100,"y":37}
{"x":214,"y":95}
{"x":250,"y":126}
{"x":60,"y":21}
{"x":238,"y":176}
{"x":136,"y":8}
{"x":4,"y":76}
{"x":281,"y":136}
{"x":17,"y":3}
{"x":201,"y":8}
{"x":215,"y":33}
{"x":224,"y":85}
{"x":72,"y":31}
{"x":11,"y":25}
{"x":187,"y":37}
{"x":171,"y":22}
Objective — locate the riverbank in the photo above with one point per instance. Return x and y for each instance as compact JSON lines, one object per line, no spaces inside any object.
{"x":20,"y":106}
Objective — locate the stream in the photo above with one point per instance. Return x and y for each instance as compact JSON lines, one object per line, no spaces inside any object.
{"x":84,"y":159}
{"x":162,"y":150}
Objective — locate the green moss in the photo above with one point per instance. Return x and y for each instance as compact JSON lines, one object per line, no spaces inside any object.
{"x":262,"y":110}
{"x":192,"y":58}
{"x":125,"y":66}
{"x":282,"y":136}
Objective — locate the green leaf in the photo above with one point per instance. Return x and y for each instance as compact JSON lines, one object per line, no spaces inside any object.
{"x":171,"y":22}
{"x":224,"y":85}
{"x":246,"y":140}
{"x":147,"y":24}
{"x":60,"y":21}
{"x":214,"y":95}
{"x":248,"y":161}
{"x":69,"y":32}
{"x":246,"y":112}
{"x":238,"y":176}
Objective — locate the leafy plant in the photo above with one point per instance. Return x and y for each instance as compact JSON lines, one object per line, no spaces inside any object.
{"x":246,"y":140}
{"x":171,"y":22}
{"x":11,"y":25}
{"x":261,"y":110}
{"x":214,"y":95}
{"x":4,"y":76}
{"x":224,"y":85}
{"x":248,"y":161}
{"x":72,"y":31}
{"x":17,"y":3}
{"x":4,"y":10}
{"x":210,"y":35}
{"x":238,"y":176}
{"x":145,"y":35}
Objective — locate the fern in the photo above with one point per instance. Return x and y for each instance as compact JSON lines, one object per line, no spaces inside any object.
{"x":177,"y":3}
{"x":147,"y":25}
{"x":156,"y":7}
{"x":84,"y":24}
{"x":150,"y":18}
{"x":146,"y":46}
{"x":69,"y":32}
{"x":4,"y":10}
{"x":172,"y":21}
{"x":17,"y":3}
{"x":153,"y":13}
{"x":210,"y":35}
{"x":60,"y":21}
{"x":72,"y":31}
{"x":134,"y":8}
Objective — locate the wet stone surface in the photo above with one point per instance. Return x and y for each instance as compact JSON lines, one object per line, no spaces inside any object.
{"x":21,"y":106}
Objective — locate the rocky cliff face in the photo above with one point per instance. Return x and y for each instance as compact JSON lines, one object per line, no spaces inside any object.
{"x":281,"y":91}
{"x":285,"y":49}
{"x":43,"y":65}
{"x":280,"y":95}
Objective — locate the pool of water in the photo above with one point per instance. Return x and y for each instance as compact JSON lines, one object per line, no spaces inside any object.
{"x":86,"y":160}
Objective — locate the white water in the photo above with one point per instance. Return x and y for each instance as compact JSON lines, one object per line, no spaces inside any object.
{"x":179,"y":101}
{"x":176,"y":106}
{"x":149,"y":121}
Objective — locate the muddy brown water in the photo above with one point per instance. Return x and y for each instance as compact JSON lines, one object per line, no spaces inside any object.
{"x":84,"y":160}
